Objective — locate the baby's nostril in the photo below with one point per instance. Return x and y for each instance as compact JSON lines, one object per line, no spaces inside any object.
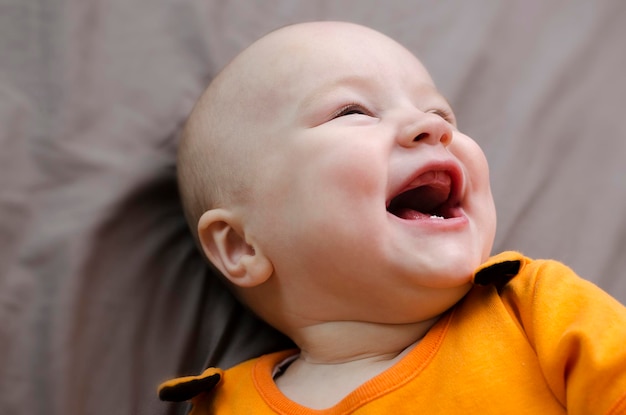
{"x":421,"y":136}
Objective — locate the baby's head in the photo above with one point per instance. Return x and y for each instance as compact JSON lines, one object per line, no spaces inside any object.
{"x":324,"y":176}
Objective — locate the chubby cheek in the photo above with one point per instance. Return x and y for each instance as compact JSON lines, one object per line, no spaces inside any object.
{"x":322,"y":205}
{"x":481,"y":207}
{"x":355,"y":175}
{"x":469,"y":153}
{"x":335,"y":193}
{"x":351,"y":182}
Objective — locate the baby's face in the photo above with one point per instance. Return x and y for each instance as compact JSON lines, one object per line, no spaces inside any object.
{"x":369,"y":202}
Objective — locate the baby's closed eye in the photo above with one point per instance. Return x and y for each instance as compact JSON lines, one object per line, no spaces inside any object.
{"x":446,"y":114}
{"x":351,"y":109}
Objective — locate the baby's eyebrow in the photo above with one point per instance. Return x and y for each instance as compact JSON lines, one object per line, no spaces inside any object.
{"x":356,"y":82}
{"x":431,"y":92}
{"x":434,"y":96}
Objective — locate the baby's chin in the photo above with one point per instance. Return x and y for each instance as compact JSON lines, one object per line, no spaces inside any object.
{"x":454,"y":276}
{"x":459,"y":269}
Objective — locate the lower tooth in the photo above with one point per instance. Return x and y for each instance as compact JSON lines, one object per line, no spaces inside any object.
{"x":436,"y":217}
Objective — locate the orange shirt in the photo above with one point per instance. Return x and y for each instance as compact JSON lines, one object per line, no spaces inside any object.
{"x":547,"y":342}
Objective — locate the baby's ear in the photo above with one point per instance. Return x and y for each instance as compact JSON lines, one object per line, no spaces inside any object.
{"x":223,"y":241}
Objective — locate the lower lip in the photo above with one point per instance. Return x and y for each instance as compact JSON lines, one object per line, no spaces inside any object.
{"x":459,"y":220}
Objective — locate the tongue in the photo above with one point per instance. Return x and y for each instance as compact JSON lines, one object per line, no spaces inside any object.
{"x":410,"y":214}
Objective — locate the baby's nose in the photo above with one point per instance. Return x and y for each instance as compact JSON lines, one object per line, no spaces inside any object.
{"x":427,"y":128}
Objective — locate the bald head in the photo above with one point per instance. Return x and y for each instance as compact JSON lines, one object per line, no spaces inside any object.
{"x":217,"y":146}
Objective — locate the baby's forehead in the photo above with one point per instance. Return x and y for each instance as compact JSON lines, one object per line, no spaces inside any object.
{"x":312,"y":58}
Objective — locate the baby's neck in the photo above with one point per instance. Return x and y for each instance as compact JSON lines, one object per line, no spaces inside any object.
{"x":347,"y":341}
{"x":338,"y":357}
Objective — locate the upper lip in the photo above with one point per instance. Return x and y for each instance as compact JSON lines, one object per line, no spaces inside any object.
{"x":417,"y":179}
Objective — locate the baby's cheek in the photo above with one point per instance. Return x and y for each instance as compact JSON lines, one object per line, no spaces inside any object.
{"x":359,"y":179}
{"x":357,"y":172}
{"x":469,"y":153}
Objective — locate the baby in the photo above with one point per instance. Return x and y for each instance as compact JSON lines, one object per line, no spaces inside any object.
{"x":324,"y":176}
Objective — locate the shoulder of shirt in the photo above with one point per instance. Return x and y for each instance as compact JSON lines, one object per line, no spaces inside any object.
{"x":184,"y":388}
{"x":189,"y":387}
{"x":501,"y":269}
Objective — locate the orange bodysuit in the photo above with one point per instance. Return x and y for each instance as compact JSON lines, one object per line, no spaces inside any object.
{"x":530,"y":338}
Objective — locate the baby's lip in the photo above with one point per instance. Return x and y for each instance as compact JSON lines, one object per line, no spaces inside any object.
{"x":443,"y":177}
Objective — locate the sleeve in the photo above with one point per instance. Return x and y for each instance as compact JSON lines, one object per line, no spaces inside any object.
{"x":579,"y":334}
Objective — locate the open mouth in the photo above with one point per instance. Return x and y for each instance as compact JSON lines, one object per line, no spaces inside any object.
{"x":432,"y":195}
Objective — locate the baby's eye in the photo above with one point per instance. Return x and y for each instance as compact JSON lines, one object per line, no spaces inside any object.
{"x":350,"y":109}
{"x":445,"y":114}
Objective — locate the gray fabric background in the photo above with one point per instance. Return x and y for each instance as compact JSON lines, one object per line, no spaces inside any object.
{"x":102,"y":295}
